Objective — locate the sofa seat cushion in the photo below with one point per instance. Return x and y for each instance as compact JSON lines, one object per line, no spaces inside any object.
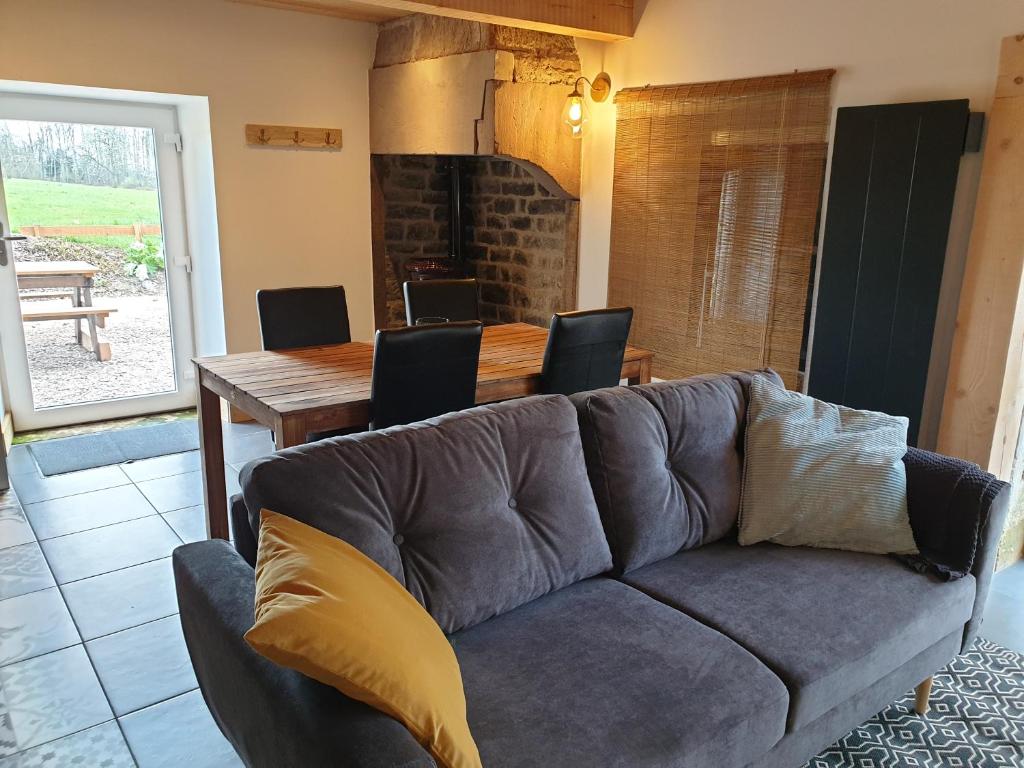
{"x":475,"y":513}
{"x":828,"y":623}
{"x":599,"y":674}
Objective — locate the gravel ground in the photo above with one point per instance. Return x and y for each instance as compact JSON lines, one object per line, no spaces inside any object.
{"x":140,"y":362}
{"x":64,"y":373}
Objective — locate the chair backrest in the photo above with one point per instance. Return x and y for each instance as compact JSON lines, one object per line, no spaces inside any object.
{"x":452,"y":300}
{"x":423,"y":371}
{"x":303,"y":317}
{"x":585,"y":350}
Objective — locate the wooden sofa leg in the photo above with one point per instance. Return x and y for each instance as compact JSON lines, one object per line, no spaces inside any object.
{"x":922,"y":692}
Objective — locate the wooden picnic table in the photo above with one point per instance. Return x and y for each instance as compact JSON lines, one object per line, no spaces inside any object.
{"x":76,"y":276}
{"x":317,"y":389}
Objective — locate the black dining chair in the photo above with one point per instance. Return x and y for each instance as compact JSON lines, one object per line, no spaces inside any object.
{"x":423,"y":371}
{"x":440,"y":301}
{"x":585,"y":350}
{"x":303,"y":317}
{"x":291,"y":318}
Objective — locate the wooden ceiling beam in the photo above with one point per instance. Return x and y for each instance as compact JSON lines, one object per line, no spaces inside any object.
{"x":594,"y":19}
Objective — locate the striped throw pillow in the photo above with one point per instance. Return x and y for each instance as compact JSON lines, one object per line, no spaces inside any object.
{"x":822,"y":475}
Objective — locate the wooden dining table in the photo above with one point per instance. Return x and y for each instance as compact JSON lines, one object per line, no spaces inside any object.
{"x":316,"y":389}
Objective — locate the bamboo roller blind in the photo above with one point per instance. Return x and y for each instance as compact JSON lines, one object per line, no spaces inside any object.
{"x":715,"y":203}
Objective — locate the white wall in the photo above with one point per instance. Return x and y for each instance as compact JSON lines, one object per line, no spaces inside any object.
{"x":885,"y":51}
{"x":285,"y":217}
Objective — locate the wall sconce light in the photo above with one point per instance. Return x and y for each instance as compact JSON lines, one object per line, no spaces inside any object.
{"x":576,"y":113}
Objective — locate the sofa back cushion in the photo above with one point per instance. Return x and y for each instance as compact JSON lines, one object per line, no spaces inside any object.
{"x":665,"y":462}
{"x":474,"y":513}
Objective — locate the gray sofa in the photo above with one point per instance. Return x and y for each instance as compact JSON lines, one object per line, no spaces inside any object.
{"x":581,"y":556}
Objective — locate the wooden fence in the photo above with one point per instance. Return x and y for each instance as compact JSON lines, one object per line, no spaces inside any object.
{"x":136,"y":230}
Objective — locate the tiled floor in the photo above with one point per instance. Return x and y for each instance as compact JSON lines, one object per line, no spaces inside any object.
{"x":93,"y":665}
{"x":1004,"y":613}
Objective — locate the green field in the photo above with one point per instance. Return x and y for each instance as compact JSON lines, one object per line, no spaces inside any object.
{"x":49,"y":203}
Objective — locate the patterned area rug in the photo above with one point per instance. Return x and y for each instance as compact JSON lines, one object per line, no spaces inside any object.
{"x":976,"y":721}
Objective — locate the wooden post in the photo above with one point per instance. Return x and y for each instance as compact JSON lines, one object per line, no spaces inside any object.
{"x":921,"y":694}
{"x":984,"y":399}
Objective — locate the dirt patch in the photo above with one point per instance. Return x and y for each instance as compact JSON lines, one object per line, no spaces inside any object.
{"x":113,"y":278}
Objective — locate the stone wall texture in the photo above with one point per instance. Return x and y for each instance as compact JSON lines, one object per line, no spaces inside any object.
{"x":540,"y":57}
{"x":414,"y":193}
{"x":519,"y":240}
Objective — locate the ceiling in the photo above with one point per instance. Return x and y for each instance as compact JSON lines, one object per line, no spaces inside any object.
{"x":343,"y":9}
{"x":595,"y":19}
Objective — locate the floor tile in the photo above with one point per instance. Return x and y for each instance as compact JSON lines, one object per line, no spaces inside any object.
{"x":23,"y":569}
{"x":143,"y":665}
{"x":100,"y":747}
{"x":14,"y":527}
{"x":34,"y":624}
{"x":180,"y":491}
{"x":178,"y":732}
{"x":52,"y":696}
{"x":162,"y":466}
{"x":244,"y":447}
{"x":90,"y":553}
{"x":189,"y":523}
{"x":21,"y":462}
{"x":1010,"y":581}
{"x":121,"y":599}
{"x":1004,"y":621}
{"x":33,"y":488}
{"x":242,"y":428}
{"x":71,"y":514}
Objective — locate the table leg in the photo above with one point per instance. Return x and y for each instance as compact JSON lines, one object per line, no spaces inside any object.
{"x":644,"y":377}
{"x":211,"y":449}
{"x":76,"y":301}
{"x":87,"y":298}
{"x":95,"y":338}
{"x":290,"y":430}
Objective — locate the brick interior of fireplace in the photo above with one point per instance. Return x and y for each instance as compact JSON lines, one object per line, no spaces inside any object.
{"x":518,"y":238}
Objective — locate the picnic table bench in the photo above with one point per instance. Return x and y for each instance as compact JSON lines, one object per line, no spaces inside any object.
{"x":76,"y":276}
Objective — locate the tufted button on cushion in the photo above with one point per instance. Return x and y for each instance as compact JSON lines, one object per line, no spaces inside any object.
{"x":628,"y":432}
{"x":441,"y":483}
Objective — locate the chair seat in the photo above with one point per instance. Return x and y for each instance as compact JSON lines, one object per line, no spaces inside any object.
{"x":598,"y":674}
{"x":828,"y":623}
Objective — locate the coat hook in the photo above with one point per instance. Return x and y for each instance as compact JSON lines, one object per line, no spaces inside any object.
{"x":296,"y":138}
{"x":263,"y":138}
{"x":327,"y":140}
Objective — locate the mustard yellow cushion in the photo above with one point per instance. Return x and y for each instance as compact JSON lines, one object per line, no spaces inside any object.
{"x":325,"y":609}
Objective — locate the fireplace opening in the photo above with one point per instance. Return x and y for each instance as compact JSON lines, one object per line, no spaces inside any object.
{"x":491,"y":218}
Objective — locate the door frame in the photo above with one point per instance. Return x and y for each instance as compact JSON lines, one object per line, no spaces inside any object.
{"x":162,"y":119}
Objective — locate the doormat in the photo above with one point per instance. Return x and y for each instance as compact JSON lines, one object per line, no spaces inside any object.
{"x":976,"y":720}
{"x":100,"y":449}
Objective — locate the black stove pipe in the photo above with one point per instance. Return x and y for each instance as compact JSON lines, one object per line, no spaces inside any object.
{"x":455,"y":234}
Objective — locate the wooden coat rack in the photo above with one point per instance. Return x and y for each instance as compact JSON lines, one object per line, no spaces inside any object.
{"x":293,"y":136}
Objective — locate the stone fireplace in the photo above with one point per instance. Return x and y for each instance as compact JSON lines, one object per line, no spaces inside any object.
{"x":470,"y":168}
{"x":516,"y":237}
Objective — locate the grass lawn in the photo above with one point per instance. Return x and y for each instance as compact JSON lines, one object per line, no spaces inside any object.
{"x":50,"y":203}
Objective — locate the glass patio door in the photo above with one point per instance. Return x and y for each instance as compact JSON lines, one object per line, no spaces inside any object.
{"x":95,"y":314}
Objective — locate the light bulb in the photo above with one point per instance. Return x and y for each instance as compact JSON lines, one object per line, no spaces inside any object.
{"x":575,"y":114}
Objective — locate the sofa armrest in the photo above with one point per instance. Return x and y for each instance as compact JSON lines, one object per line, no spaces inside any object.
{"x":273,"y":716}
{"x":957,"y":512}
